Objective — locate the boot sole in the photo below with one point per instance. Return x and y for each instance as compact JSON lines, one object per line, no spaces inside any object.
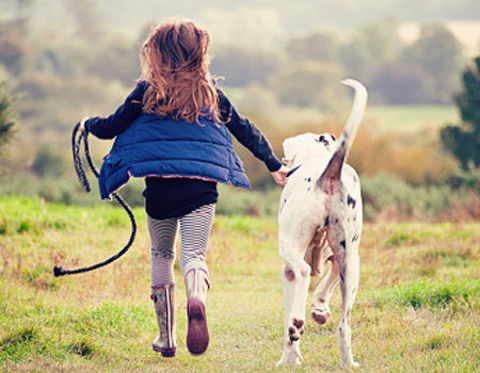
{"x":198,"y":336}
{"x":166,"y":352}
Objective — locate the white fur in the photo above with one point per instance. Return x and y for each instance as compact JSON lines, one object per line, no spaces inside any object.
{"x":316,"y":226}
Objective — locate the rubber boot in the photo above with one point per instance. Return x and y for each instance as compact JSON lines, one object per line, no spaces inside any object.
{"x":163,"y":297}
{"x":197,"y":285}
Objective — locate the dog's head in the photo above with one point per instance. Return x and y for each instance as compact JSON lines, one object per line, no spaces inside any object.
{"x":306,"y":146}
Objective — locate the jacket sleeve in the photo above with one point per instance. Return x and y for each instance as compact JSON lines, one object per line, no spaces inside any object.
{"x":116,"y":123}
{"x":247,"y":133}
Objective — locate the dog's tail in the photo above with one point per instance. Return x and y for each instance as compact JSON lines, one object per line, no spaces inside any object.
{"x":334,"y":168}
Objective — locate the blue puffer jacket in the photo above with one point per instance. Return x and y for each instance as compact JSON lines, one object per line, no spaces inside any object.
{"x":159,"y":146}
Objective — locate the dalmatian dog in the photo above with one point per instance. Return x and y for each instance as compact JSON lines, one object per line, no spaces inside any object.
{"x":320,"y":221}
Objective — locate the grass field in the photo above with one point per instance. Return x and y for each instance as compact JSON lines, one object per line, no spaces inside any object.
{"x":409,"y":118}
{"x":418,"y":305}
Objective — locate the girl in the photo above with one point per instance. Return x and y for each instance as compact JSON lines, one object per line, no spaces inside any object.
{"x":173,"y":129}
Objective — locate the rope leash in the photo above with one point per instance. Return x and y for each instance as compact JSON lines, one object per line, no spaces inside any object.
{"x":78,"y":164}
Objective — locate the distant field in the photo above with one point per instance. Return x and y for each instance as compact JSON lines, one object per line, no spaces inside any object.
{"x":418,"y":307}
{"x":399,"y":118}
{"x":396,"y":118}
{"x":413,"y":118}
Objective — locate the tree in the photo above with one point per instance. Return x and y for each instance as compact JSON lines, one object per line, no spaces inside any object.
{"x":398,"y":84}
{"x":439,"y":54}
{"x":310,"y":84}
{"x":371,"y":46}
{"x":88,"y":21}
{"x":464,"y":140}
{"x":241,"y":66}
{"x":321,"y":47}
{"x":7,"y":116}
{"x":14,"y":46}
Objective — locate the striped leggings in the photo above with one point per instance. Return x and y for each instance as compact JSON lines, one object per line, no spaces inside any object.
{"x":195,"y":229}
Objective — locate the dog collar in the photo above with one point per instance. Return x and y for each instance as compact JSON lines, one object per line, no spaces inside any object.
{"x":293,"y":170}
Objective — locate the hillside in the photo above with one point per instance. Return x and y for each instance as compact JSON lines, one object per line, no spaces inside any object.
{"x":263,"y":22}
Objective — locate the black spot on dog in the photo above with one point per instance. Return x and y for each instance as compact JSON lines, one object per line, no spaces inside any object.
{"x":309,"y":179}
{"x":308,"y":189}
{"x":351,"y":201}
{"x":323,"y":140}
{"x":333,"y":137}
{"x":343,"y":244}
{"x":341,"y":277}
{"x":355,"y":237}
{"x":289,"y":274}
{"x":298,"y":323}
{"x":327,"y":221}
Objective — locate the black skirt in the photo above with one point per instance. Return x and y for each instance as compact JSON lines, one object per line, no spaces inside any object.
{"x":175,"y":197}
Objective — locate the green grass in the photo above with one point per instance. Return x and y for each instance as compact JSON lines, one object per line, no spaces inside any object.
{"x":417,"y":310}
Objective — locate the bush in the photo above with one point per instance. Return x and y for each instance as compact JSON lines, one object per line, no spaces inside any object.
{"x":48,"y":163}
{"x":386,"y":193}
{"x":465,"y":179}
{"x":239,"y":202}
{"x":7,"y":116}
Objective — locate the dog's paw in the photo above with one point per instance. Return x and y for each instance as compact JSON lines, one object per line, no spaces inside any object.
{"x":291,"y":355}
{"x":283,"y":361}
{"x":290,"y":359}
{"x":352,"y":364}
{"x":321,"y":316}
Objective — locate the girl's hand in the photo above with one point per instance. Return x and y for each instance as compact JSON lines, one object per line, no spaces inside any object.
{"x":82,"y":124}
{"x":280,"y":176}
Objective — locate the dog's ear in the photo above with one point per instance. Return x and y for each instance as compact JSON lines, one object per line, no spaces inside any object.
{"x":290,"y":150}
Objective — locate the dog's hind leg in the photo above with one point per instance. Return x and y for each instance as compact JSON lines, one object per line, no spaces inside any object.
{"x":348,"y":286}
{"x":295,"y":279}
{"x":320,"y":308}
{"x":291,"y":351}
{"x":345,"y":246}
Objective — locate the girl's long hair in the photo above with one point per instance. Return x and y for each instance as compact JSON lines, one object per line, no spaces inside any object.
{"x":175,"y":66}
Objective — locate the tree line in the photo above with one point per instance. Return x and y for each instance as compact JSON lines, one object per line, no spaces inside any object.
{"x":61,"y":75}
{"x":423,"y":72}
